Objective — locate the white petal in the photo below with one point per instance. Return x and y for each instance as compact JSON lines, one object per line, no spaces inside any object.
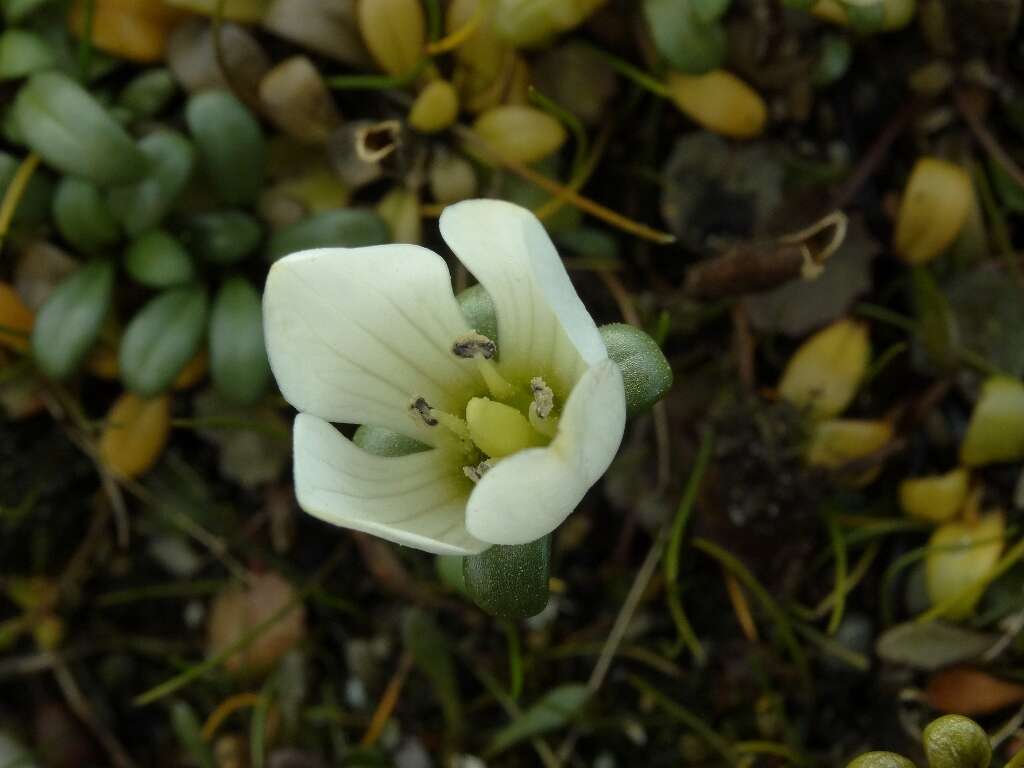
{"x":417,"y":500}
{"x":354,"y":334}
{"x":530,"y":493}
{"x":542,"y":324}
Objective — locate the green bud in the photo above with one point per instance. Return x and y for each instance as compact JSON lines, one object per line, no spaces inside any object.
{"x":73,"y":132}
{"x":346,"y":228}
{"x":646,"y":374}
{"x":70,"y":321}
{"x":881,"y":760}
{"x":162,"y":338}
{"x":510,"y":582}
{"x":955,"y":741}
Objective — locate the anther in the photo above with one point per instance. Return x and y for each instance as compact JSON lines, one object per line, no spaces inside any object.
{"x":543,"y":397}
{"x":421,"y":408}
{"x":473,"y":345}
{"x":476,"y":473}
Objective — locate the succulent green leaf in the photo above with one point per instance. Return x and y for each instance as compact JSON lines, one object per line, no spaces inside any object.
{"x":22,"y":53}
{"x":348,"y":228}
{"x":223,"y":237}
{"x":231,"y":145}
{"x":955,"y":741}
{"x":70,"y":321}
{"x":238,"y":356}
{"x":82,"y":216}
{"x":143,"y":205}
{"x":189,"y":732}
{"x":158,"y":260}
{"x":555,"y":710}
{"x":74,"y":133}
{"x":161,"y":338}
{"x":148,"y":93}
{"x":510,"y":582}
{"x":686,"y":40}
{"x":646,"y":374}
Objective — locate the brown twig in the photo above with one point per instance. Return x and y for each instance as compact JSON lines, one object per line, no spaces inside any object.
{"x":970,"y":110}
{"x":874,"y":157}
{"x":80,"y":706}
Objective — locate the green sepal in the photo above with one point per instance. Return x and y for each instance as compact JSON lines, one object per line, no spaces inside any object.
{"x":478,"y":308}
{"x":238,"y":356}
{"x":346,"y":228}
{"x":881,"y":760}
{"x":381,"y":441}
{"x":955,"y":741}
{"x":510,"y":582}
{"x":71,"y":319}
{"x":161,"y":339}
{"x":646,"y":374}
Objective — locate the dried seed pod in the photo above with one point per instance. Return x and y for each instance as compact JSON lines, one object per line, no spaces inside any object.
{"x":131,"y":29}
{"x":823,"y":374}
{"x":237,"y":610}
{"x":294,"y":97}
{"x":357,"y":149}
{"x":15,"y":320}
{"x":192,"y":57}
{"x":395,"y":32}
{"x":720,"y":102}
{"x":996,"y":430}
{"x":435,"y":108}
{"x":329,"y":29}
{"x":451,"y":178}
{"x":837,"y":443}
{"x":134,"y":434}
{"x":970,"y":691}
{"x":519,"y":134}
{"x":935,"y":498}
{"x":961,"y":554}
{"x":935,"y":205}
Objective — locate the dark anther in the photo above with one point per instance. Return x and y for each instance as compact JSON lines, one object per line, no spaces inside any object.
{"x":473,"y":344}
{"x":422,"y":407}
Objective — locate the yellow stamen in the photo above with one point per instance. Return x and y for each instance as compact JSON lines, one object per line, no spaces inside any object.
{"x":547,"y":426}
{"x":499,"y":388}
{"x":498,"y":429}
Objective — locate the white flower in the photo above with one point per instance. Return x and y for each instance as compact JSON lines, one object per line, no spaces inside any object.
{"x":520,"y":426}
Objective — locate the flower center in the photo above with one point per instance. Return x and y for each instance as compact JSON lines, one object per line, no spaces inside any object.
{"x":510,"y":420}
